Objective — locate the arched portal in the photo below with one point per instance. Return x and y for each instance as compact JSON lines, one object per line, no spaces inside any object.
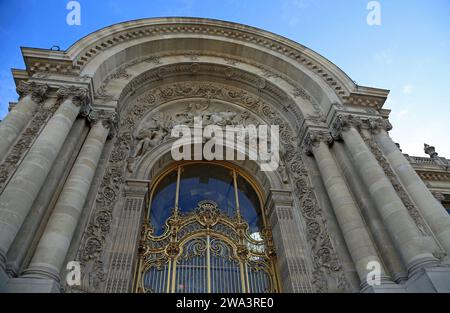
{"x":233,"y":78}
{"x":205,"y":230}
{"x":140,"y":79}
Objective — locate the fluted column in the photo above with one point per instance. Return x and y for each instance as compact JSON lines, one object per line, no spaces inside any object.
{"x":351,"y":223}
{"x":395,"y":216}
{"x":431,"y":209}
{"x":15,"y":122}
{"x":23,"y":188}
{"x":51,"y":251}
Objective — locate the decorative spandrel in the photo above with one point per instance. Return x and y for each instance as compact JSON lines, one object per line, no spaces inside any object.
{"x":206,"y":251}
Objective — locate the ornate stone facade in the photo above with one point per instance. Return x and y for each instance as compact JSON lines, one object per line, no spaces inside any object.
{"x":344,"y":194}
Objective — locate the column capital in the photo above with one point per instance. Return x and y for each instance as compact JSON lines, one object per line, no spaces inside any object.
{"x":79,"y":95}
{"x":314,"y":138}
{"x":37,"y":91}
{"x":439,"y":196}
{"x":343,"y":123}
{"x":278,"y":198}
{"x":136,"y":188}
{"x":108,"y":118}
{"x":377,"y":125}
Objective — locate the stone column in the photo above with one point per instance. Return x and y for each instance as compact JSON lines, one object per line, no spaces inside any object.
{"x":23,"y":188}
{"x":350,"y":221}
{"x":14,"y":123}
{"x":391,"y":257}
{"x":401,"y":228}
{"x":431,"y":209}
{"x":18,"y":252}
{"x":51,"y":251}
{"x":126,"y":242}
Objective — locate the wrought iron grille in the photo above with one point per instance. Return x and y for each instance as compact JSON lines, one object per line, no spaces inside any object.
{"x":206,"y":251}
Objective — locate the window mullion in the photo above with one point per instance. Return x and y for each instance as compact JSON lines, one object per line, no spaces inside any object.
{"x":236,"y":195}
{"x":177,"y":191}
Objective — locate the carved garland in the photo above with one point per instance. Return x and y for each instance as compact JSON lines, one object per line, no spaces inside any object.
{"x":327,"y":266}
{"x":229,"y":73}
{"x":20,"y":148}
{"x":157,"y":74}
{"x":374,"y":126}
{"x":404,"y":196}
{"x":326,"y":262}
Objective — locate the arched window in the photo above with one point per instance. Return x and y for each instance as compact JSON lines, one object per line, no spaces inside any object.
{"x":205,"y":231}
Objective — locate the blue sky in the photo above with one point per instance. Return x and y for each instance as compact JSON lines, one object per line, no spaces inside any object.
{"x":408,"y":53}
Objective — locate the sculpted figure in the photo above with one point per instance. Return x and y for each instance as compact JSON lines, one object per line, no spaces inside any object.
{"x":221,"y":118}
{"x":185,"y":118}
{"x":147,"y":139}
{"x":153,"y":133}
{"x":241,"y":119}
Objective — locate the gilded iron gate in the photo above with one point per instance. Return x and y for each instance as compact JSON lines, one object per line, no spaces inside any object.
{"x":206,"y":251}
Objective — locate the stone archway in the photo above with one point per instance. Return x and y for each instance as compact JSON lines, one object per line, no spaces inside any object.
{"x":285,"y":219}
{"x":125,"y":78}
{"x":277,"y":98}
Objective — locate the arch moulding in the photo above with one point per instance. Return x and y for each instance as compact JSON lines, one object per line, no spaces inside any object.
{"x":142,"y":68}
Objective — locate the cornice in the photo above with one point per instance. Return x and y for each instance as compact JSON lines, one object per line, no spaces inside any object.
{"x":429,"y":175}
{"x":364,"y":100}
{"x":72,"y":61}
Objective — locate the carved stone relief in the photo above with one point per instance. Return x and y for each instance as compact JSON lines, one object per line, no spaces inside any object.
{"x":20,"y":148}
{"x":328,"y":272}
{"x":374,"y":125}
{"x":155,"y":129}
{"x":259,"y":81}
{"x":38,"y":92}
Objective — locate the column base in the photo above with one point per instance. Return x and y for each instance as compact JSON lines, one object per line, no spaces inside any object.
{"x":427,"y":280}
{"x":31,"y":285}
{"x":4,"y":278}
{"x":41,"y":272}
{"x":421,"y":262}
{"x":430,"y":280}
{"x":384,"y":288}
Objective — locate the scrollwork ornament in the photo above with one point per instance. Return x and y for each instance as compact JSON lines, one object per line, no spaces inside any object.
{"x":314,"y":138}
{"x":109,"y":120}
{"x":86,"y":111}
{"x":98,"y":230}
{"x":37,"y":91}
{"x":20,"y":148}
{"x":79,"y":96}
{"x":343,"y":123}
{"x":377,"y":125}
{"x":439,"y":196}
{"x":403,"y":195}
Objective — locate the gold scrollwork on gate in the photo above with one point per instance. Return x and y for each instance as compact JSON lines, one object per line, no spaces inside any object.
{"x":206,"y":251}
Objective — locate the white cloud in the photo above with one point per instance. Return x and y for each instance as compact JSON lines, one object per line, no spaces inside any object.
{"x":407,"y":89}
{"x":402,"y":113}
{"x":384,"y":57}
